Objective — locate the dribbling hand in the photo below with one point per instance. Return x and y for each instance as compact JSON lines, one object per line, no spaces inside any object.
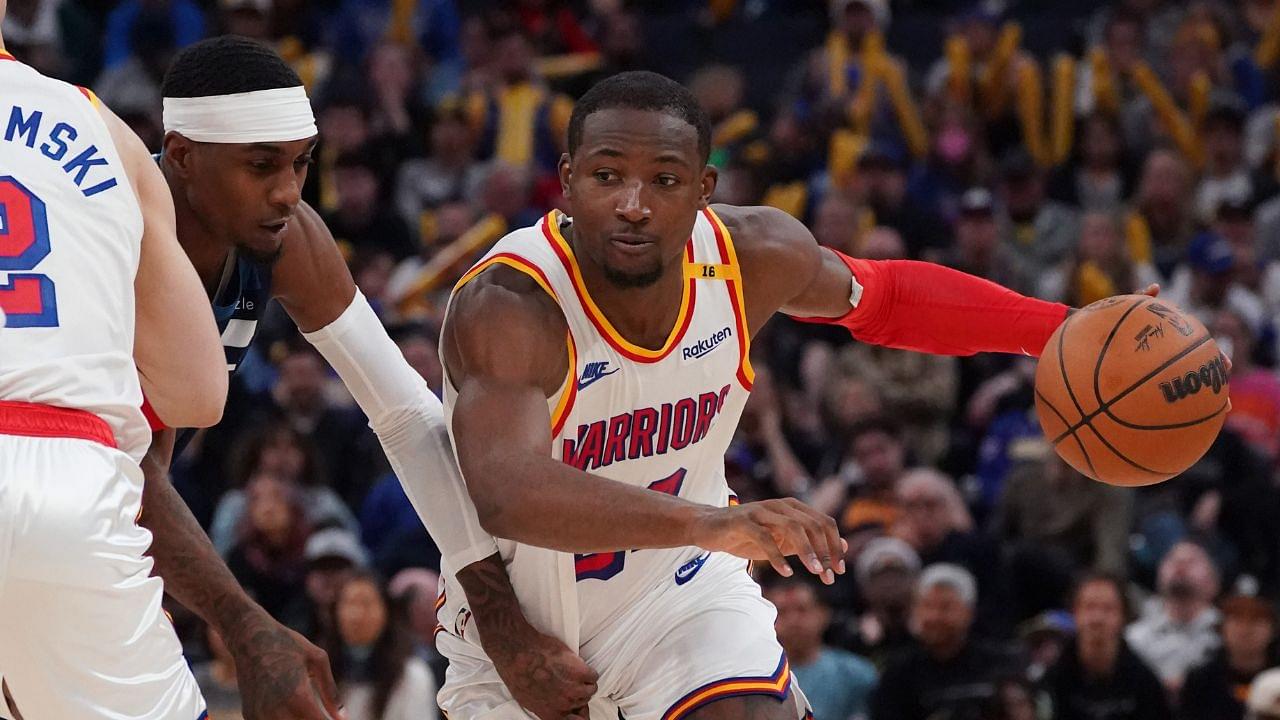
{"x":773,"y":529}
{"x":542,"y":674}
{"x":281,"y":675}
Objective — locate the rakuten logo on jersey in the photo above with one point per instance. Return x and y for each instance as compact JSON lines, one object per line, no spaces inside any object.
{"x":707,"y":344}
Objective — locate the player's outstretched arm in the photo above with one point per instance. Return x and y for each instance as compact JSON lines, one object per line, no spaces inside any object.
{"x":281,"y":675}
{"x":903,"y":304}
{"x":314,"y":284}
{"x":176,"y":345}
{"x":504,"y":345}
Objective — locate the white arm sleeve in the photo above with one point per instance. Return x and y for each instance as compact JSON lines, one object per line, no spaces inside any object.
{"x":409,"y":422}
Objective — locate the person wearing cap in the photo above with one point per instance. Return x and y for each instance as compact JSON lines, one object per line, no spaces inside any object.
{"x":1040,"y":231}
{"x":977,"y":249}
{"x":882,"y":180}
{"x":1207,"y":282}
{"x":1217,"y":689}
{"x":886,"y":571}
{"x":1255,"y":270}
{"x":1098,"y":677}
{"x":837,"y":683}
{"x":946,"y":672}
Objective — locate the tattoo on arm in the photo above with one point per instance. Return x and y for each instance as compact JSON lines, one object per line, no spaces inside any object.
{"x":497,"y":615}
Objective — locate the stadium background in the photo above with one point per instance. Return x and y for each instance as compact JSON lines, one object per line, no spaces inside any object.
{"x":1070,"y":149}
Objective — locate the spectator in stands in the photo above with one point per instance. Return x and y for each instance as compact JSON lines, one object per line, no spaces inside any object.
{"x":378,"y":675}
{"x":1255,"y":390}
{"x":393,"y":72}
{"x":720,"y":92}
{"x":1040,"y":232}
{"x":1264,"y":696}
{"x":132,"y":85}
{"x":1217,"y":689}
{"x":56,"y":37}
{"x":1163,"y":220}
{"x":1178,"y":629}
{"x":333,"y":555}
{"x":1260,"y":275}
{"x":1056,"y":522}
{"x":1099,"y":177}
{"x":278,"y":450}
{"x":1098,"y":677}
{"x":249,"y":18}
{"x":507,"y":191}
{"x":449,"y":174}
{"x":1100,"y":265}
{"x":1207,"y":283}
{"x":1045,"y":636}
{"x":268,"y":557}
{"x":1225,"y":174}
{"x":881,"y":180}
{"x":946,"y":673}
{"x":416,"y":590}
{"x":434,"y":25}
{"x":836,"y":223}
{"x":883,"y":243}
{"x":1015,"y":699}
{"x":180,"y":20}
{"x":886,"y":570}
{"x":362,"y":219}
{"x":837,"y":683}
{"x":977,"y":249}
{"x":870,"y":503}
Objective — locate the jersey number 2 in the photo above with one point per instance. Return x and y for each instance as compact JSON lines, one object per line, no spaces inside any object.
{"x":602,"y":566}
{"x":26,"y":298}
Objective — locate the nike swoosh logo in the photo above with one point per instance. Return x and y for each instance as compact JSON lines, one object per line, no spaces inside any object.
{"x":582,"y":384}
{"x":686,"y":571}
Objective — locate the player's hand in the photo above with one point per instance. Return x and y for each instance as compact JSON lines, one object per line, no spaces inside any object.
{"x":542,"y":674}
{"x":281,"y":675}
{"x":1153,"y":290}
{"x":773,"y":529}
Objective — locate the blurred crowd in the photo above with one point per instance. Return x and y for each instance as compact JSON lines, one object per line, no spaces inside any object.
{"x":1069,"y":149}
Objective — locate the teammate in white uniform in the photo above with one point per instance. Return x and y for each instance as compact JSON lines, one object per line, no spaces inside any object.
{"x":87,"y":256}
{"x":626,"y":332}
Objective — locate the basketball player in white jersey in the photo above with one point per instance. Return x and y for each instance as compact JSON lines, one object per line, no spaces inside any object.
{"x":596,"y":367}
{"x":100,"y":305}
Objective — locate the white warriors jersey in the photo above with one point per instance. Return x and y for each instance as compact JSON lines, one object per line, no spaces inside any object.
{"x":70,"y":239}
{"x":658,"y":419}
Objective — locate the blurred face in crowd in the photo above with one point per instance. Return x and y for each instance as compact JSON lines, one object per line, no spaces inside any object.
{"x":801,"y":621}
{"x":880,"y":456}
{"x":1187,"y":573}
{"x":635,"y":185}
{"x":1100,"y":142}
{"x":836,"y":223}
{"x":1224,"y":146}
{"x":373,"y":273}
{"x":361,"y":613}
{"x":357,"y":192}
{"x":1124,"y":43}
{"x":886,"y":184}
{"x":883,"y":243}
{"x":1100,"y":240}
{"x":249,"y":22}
{"x":301,"y":382}
{"x":281,"y":455}
{"x":513,"y":58}
{"x":1247,"y":635}
{"x":981,"y":34}
{"x":423,"y":356}
{"x":325,"y":579}
{"x":1166,"y":183}
{"x":977,"y":235}
{"x":270,"y":507}
{"x":925,"y":510}
{"x":1099,"y":615}
{"x":506,"y":191}
{"x":344,"y":127}
{"x":1233,"y":337}
{"x":718,"y":90}
{"x":391,"y":69}
{"x":622,"y":39}
{"x":849,"y":400}
{"x":451,"y":139}
{"x":1023,"y":195}
{"x":940,"y":620}
{"x":888,"y":589}
{"x":1016,"y":702}
{"x":244,"y":195}
{"x":857,"y":21}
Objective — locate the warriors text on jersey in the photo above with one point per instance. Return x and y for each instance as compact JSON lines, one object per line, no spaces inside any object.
{"x":660,"y":419}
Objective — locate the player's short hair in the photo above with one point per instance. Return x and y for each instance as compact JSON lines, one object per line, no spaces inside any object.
{"x":641,"y":90}
{"x":227,"y":65}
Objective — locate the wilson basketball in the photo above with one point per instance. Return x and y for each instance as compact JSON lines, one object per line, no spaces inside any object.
{"x":1131,"y":391}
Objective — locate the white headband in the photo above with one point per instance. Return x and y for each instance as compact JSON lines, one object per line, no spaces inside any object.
{"x":277,"y":115}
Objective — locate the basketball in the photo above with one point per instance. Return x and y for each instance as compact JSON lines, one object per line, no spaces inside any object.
{"x":1131,"y":390}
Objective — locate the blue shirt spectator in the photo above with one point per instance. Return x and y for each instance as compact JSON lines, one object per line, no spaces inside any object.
{"x":185,"y":16}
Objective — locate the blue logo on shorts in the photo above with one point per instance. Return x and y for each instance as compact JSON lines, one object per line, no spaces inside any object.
{"x":686,"y":571}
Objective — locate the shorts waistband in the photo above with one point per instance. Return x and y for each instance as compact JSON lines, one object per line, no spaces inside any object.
{"x":35,"y":420}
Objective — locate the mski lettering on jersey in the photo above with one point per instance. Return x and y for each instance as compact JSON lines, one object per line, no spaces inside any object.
{"x":644,"y":432}
{"x":54,"y":141}
{"x":707,"y":344}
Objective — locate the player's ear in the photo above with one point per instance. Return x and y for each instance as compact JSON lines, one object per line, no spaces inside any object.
{"x":563,"y":170}
{"x":176,"y":151}
{"x":709,"y":177}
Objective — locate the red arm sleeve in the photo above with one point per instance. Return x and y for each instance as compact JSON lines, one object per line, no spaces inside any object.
{"x":153,"y":420}
{"x":929,"y":308}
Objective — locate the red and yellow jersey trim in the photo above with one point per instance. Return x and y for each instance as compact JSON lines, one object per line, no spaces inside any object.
{"x":724,"y":241}
{"x":629,"y":350}
{"x":778,"y":685}
{"x":519,"y":264}
{"x":90,"y":95}
{"x":6,"y":56}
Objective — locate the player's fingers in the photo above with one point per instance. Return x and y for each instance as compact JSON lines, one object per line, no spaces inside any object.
{"x":1152,"y":290}
{"x":797,"y":533}
{"x":814,"y":529}
{"x":829,"y":544}
{"x":767,"y":546}
{"x":322,"y":678}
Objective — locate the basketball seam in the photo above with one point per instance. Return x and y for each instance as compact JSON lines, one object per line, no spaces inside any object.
{"x":1079,"y":442}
